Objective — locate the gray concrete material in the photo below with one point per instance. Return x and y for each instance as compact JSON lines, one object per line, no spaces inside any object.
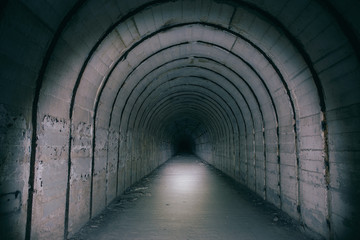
{"x":13,"y":172}
{"x":300,"y":70}
{"x":50,"y":178}
{"x":187,"y":199}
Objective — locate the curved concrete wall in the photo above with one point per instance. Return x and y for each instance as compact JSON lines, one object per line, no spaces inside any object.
{"x":96,"y":94}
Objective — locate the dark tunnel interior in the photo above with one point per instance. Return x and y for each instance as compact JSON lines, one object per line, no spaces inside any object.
{"x":97,"y":94}
{"x":184,"y":145}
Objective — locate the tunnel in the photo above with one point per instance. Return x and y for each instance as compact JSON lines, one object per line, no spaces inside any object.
{"x":96,"y":94}
{"x":184,"y":145}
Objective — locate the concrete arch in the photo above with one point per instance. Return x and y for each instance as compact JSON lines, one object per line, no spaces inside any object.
{"x":74,"y":73}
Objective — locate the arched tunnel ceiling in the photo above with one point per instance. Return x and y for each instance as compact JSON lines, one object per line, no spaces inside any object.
{"x":138,"y":39}
{"x":179,"y":46}
{"x":153,"y":63}
{"x":232,"y":68}
{"x":254,"y":80}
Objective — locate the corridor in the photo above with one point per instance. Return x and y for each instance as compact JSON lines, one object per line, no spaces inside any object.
{"x":97,"y":94}
{"x":187,"y":199}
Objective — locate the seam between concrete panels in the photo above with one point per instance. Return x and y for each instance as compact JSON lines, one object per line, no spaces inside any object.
{"x":318,"y":85}
{"x":259,"y":108}
{"x":35,"y":103}
{"x":161,"y":30}
{"x":94,"y":129}
{"x":199,"y":95}
{"x":223,"y":100}
{"x":194,"y":85}
{"x":265,"y":86}
{"x":324,"y":122}
{"x":163,"y":109}
{"x":153,"y":70}
{"x":215,"y":107}
{"x":269,"y":94}
{"x":233,"y":85}
{"x":196,"y":95}
{"x":146,"y":116}
{"x":324,"y":126}
{"x":39,"y":82}
{"x":354,"y":42}
{"x":145,"y":76}
{"x":206,"y":79}
{"x":77,"y":83}
{"x":195,"y":111}
{"x":159,"y":105}
{"x":214,"y":82}
{"x":189,"y":97}
{"x":253,"y":131}
{"x":112,"y":109}
{"x":123,"y":57}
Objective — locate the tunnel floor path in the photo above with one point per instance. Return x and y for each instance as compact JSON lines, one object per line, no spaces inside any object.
{"x":188,"y":199}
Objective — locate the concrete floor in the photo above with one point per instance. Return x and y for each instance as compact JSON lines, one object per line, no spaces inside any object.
{"x":187,"y":199}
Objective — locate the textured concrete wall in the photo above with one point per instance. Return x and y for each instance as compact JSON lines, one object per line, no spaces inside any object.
{"x":95,"y":95}
{"x":14,"y":167}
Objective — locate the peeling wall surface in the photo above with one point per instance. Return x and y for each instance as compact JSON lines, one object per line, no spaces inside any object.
{"x":96,"y":94}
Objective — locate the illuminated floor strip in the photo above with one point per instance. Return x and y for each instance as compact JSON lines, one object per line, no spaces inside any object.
{"x":187,"y":199}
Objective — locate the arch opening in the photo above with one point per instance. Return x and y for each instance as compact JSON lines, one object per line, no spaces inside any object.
{"x":234,"y":83}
